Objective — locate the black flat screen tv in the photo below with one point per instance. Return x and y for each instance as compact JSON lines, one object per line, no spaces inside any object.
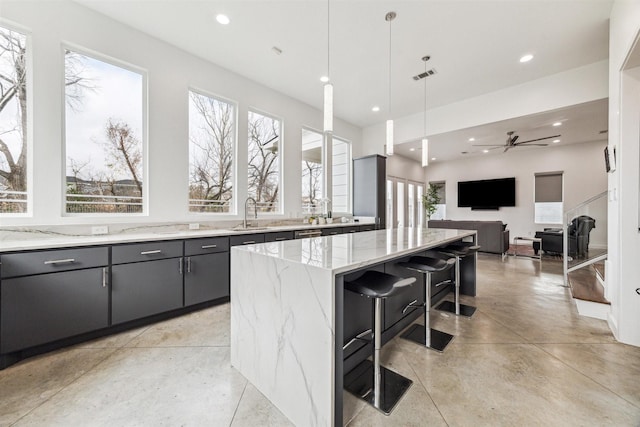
{"x":487,"y":194}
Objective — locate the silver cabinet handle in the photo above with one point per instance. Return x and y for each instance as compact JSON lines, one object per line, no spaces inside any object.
{"x":444,"y":282}
{"x":188,"y":264}
{"x":280,"y":238}
{"x":157,"y":251}
{"x":104,"y":277}
{"x":352,"y":231}
{"x":209,"y":246}
{"x":60,"y":261}
{"x":310,"y":233}
{"x":248,"y":242}
{"x":180,"y":265}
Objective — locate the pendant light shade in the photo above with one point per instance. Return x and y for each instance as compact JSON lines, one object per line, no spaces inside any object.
{"x":328,"y":87}
{"x":425,"y":141}
{"x":389,"y":137}
{"x":328,"y":107}
{"x":389,"y":17}
{"x":425,"y":152}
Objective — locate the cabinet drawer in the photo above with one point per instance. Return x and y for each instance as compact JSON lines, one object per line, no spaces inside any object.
{"x":206,"y":246}
{"x":277,"y":237}
{"x":369,"y":227}
{"x":351,"y":229}
{"x":149,"y":251}
{"x":29,"y":263}
{"x":331,"y":231}
{"x":246,"y":239}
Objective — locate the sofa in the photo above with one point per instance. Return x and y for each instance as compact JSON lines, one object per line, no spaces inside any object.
{"x":493,"y":236}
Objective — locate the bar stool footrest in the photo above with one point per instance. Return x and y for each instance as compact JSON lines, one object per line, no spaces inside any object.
{"x":465,"y":310}
{"x":439,"y":339}
{"x":359,"y":382}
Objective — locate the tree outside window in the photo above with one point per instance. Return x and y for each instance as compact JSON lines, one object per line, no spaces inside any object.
{"x":311,"y":170}
{"x":13,"y":122}
{"x":103,"y":136}
{"x":264,"y":145}
{"x":211,"y":143}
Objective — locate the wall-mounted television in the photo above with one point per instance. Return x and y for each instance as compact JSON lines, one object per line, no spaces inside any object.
{"x":487,"y":194}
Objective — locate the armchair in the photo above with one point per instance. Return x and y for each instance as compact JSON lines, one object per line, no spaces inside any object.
{"x":578,"y":237}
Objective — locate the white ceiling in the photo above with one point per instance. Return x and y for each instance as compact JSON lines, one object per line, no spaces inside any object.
{"x":475,"y":48}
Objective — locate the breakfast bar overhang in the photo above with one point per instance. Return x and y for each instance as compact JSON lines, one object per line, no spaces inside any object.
{"x":289,"y":314}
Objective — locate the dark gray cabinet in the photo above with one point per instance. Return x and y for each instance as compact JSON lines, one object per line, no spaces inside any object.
{"x":206,"y":270}
{"x":351,"y":229}
{"x":398,"y":307}
{"x":39,"y":308}
{"x":331,"y":231}
{"x":149,"y":285}
{"x":246,"y":239}
{"x":369,"y":188}
{"x":279,"y":236}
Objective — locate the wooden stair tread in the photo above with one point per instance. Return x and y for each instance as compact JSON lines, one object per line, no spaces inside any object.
{"x":599,"y":267}
{"x":585,"y":286}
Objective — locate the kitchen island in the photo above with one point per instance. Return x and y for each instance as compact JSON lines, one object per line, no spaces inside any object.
{"x":290,"y":315}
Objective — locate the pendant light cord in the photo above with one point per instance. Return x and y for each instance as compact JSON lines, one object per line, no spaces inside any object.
{"x":425,"y":100}
{"x":389,"y":85}
{"x":329,"y":40}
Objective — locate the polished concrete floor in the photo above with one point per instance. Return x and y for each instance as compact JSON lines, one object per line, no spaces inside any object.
{"x":526,"y":358}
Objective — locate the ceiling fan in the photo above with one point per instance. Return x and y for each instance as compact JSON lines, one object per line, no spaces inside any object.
{"x":512,"y":142}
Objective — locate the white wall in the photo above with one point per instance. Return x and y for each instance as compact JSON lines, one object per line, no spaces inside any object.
{"x":624,"y":109}
{"x":584,"y":177}
{"x":582,"y":84}
{"x":171,"y":72}
{"x":402,"y":167}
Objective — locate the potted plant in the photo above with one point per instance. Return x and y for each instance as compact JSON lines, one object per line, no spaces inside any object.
{"x":431,"y":200}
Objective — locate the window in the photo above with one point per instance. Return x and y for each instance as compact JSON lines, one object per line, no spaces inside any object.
{"x":390,"y":204}
{"x":411,"y":206}
{"x":13,"y":122}
{"x":104,"y":134}
{"x":341,"y":176}
{"x":212,"y":134}
{"x":311,"y":171}
{"x":548,"y":198}
{"x":264,"y":161}
{"x":441,"y":208}
{"x":400,"y":204}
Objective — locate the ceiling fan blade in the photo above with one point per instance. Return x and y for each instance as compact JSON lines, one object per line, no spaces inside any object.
{"x":531,"y":145}
{"x":540,"y":139}
{"x":514,"y":139}
{"x":506,"y":148}
{"x":488,"y":145}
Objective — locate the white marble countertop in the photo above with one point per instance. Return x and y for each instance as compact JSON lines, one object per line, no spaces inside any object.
{"x":21,"y":240}
{"x":345,"y":252}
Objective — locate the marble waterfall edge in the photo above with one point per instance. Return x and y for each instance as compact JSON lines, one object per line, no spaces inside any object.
{"x":284,"y":311}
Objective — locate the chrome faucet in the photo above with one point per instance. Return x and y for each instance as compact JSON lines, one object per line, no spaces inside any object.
{"x":255,"y":210}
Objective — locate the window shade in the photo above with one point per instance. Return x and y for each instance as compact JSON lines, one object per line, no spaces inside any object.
{"x":548,"y":187}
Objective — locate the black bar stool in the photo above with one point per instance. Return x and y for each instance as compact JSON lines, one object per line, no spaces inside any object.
{"x":458,"y":251}
{"x":425,"y":335}
{"x":374,"y":383}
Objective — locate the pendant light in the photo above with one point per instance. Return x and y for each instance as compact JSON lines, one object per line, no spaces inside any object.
{"x":425,"y":141}
{"x":389,"y":17}
{"x":328,"y":86}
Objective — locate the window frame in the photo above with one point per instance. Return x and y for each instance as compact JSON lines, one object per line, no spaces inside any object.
{"x":323,"y":165}
{"x":349,"y":176}
{"x":29,"y":161}
{"x":233,"y":208}
{"x":560,"y":219}
{"x":281,"y":160}
{"x":144,"y":128}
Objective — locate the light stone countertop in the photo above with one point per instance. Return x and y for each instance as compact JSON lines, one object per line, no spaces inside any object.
{"x":345,"y":252}
{"x":32,"y":239}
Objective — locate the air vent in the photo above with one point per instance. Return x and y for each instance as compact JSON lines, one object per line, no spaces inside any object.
{"x":427,"y":73}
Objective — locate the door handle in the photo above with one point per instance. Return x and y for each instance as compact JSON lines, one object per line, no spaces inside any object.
{"x":60,"y":261}
{"x":209,"y":246}
{"x":104,"y":277}
{"x":180,"y":265}
{"x":188,"y":264}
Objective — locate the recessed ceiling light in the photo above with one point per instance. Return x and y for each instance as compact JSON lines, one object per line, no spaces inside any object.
{"x":557,"y":124}
{"x":375,"y":109}
{"x":412,"y":149}
{"x":485,"y":151}
{"x":433,"y":158}
{"x":526,"y":58}
{"x":324,"y":79}
{"x":472,"y":139}
{"x":555,"y":141}
{"x":223,"y":19}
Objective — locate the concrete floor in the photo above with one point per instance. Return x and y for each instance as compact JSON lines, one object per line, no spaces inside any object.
{"x":525,"y":358}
